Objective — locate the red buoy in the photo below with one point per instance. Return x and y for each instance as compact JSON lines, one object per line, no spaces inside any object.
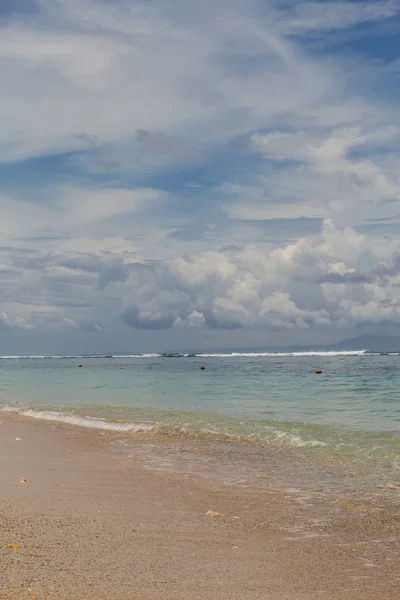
{"x":80,"y":365}
{"x":318,"y":371}
{"x":202,"y":368}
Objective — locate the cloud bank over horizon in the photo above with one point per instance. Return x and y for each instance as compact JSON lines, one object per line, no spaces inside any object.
{"x":176,"y":174}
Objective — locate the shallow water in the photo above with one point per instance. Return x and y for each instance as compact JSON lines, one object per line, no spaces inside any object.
{"x":350,"y":414}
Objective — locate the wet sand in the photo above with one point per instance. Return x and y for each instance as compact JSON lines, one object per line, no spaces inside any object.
{"x":91,"y":523}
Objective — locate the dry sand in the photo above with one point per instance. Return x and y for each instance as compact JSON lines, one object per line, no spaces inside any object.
{"x":89,"y":523}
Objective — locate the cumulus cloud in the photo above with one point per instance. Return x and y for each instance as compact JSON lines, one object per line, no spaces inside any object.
{"x":341,"y":270}
{"x":195,"y":168}
{"x":337,"y":278}
{"x":68,"y":279}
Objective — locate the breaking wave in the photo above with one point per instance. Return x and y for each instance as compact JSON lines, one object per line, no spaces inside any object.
{"x":90,"y":422}
{"x":200,"y":355}
{"x":296,"y":354}
{"x":169,"y":430}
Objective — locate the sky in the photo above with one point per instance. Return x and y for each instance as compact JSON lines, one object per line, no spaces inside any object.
{"x":177,"y":174}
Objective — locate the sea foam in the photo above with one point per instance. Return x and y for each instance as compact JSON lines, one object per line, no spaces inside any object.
{"x":326,"y":353}
{"x":90,"y":422}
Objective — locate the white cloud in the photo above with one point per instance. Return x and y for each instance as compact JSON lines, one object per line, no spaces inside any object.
{"x":256,"y":287}
{"x":337,"y":278}
{"x":327,"y":16}
{"x":65,"y":207}
{"x":6,"y":324}
{"x":114,"y":69}
{"x":324,"y":174}
{"x":131,"y":90}
{"x":99,"y":245}
{"x":195,"y":319}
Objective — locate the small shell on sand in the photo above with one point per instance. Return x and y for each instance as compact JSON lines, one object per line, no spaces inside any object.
{"x":212,"y":513}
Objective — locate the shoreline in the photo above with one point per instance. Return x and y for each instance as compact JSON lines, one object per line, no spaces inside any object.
{"x":369,"y":455}
{"x":95,"y":522}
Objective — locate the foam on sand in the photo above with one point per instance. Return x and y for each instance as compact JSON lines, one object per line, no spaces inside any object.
{"x":90,"y":422}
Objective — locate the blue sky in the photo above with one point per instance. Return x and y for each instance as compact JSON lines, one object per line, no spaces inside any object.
{"x":176,"y":174}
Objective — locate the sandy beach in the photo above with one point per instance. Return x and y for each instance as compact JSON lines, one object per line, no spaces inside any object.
{"x":90,"y":523}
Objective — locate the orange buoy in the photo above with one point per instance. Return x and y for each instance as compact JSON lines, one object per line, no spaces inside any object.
{"x":80,"y":365}
{"x":318,"y":371}
{"x":202,"y":368}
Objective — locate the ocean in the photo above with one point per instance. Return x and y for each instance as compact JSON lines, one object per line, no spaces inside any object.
{"x":254,"y":409}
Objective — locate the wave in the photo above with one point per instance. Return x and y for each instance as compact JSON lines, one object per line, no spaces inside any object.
{"x":295,"y":354}
{"x":382,"y":450}
{"x":76,"y":356}
{"x":291,"y":439}
{"x":81,"y":356}
{"x":39,"y":357}
{"x":90,"y":422}
{"x":169,"y":430}
{"x":321,"y":353}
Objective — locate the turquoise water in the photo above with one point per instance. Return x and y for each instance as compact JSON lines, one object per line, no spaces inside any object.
{"x":351,"y":410}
